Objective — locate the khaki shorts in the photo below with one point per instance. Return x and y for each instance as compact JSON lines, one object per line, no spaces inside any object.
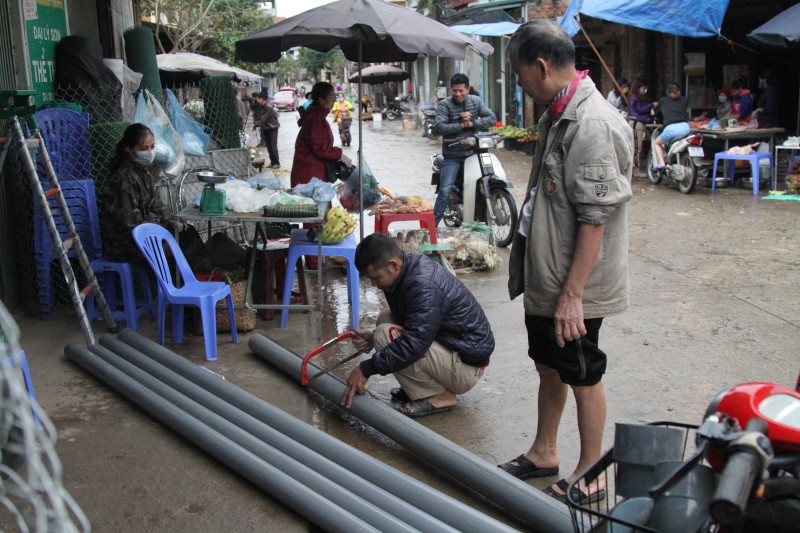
{"x":438,"y":370}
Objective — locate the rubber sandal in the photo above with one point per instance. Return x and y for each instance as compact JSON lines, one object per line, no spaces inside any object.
{"x":399,"y":395}
{"x":578,"y":496}
{"x":525,"y":468}
{"x":420,"y":408}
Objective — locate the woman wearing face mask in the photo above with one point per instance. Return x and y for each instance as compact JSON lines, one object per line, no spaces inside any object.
{"x":767,"y":111}
{"x":639,"y":113}
{"x":129,"y":196}
{"x":724,"y":106}
{"x":615,"y":97}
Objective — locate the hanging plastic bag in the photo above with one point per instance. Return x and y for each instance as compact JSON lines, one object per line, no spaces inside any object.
{"x":169,"y":145}
{"x":348,"y":190}
{"x":195,"y":138}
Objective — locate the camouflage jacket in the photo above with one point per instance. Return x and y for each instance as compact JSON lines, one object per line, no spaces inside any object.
{"x":129,"y":198}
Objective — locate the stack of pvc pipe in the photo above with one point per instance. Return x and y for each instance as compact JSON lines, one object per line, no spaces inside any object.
{"x":330,"y":483}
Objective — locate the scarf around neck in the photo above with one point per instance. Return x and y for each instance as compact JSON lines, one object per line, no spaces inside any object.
{"x":559,"y":104}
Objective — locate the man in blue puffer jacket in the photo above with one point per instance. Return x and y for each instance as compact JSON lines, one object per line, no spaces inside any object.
{"x":434,"y":338}
{"x":459,"y":116}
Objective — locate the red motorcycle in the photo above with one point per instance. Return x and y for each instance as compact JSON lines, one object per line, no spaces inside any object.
{"x":741,"y":473}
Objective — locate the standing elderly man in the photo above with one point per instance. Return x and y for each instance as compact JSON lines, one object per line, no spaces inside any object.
{"x":570,"y":257}
{"x":458,"y":116}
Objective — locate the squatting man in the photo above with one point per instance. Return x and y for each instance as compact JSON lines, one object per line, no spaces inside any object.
{"x":434,"y":337}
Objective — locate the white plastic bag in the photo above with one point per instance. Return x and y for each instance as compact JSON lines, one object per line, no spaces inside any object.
{"x":169,"y":145}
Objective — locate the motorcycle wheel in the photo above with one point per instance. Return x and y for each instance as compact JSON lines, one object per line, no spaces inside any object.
{"x":690,"y":174}
{"x":392,"y":114}
{"x":505,"y":212}
{"x":652,"y":162}
{"x":348,"y":138}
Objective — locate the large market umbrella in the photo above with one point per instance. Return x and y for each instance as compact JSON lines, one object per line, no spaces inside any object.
{"x":202,"y":66}
{"x":372,"y":31}
{"x":781,"y":31}
{"x":380,"y":74}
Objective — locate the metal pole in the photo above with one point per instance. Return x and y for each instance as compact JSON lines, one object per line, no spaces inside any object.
{"x":280,"y":485}
{"x":531,"y":505}
{"x":418,"y":494}
{"x":360,"y":155}
{"x":295,"y":448}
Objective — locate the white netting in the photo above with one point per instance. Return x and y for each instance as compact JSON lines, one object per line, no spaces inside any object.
{"x":30,"y":471}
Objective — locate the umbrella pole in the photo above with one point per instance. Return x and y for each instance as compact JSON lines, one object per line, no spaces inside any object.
{"x":360,"y":154}
{"x":602,"y":61}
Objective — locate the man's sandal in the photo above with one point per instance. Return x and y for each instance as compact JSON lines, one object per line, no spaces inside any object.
{"x":524,"y":468}
{"x":420,"y":408}
{"x":578,"y":496}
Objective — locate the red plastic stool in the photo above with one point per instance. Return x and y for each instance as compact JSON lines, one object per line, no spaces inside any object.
{"x":425,"y":219}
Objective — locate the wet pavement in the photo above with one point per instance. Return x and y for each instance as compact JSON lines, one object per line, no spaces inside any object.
{"x":714,"y":302}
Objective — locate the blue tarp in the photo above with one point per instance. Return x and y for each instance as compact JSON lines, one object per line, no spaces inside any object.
{"x":492,"y":29}
{"x":689,"y":18}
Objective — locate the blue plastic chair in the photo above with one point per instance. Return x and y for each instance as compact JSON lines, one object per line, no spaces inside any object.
{"x":66,"y":136}
{"x":21,"y":362}
{"x":129,"y":308}
{"x":151,"y":238}
{"x":300,"y":245}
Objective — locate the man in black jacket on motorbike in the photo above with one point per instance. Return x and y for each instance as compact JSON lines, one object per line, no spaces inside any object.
{"x":458,"y":116}
{"x":434,"y":338}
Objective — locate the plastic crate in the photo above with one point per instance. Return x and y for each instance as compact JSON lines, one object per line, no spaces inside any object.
{"x":597,"y":516}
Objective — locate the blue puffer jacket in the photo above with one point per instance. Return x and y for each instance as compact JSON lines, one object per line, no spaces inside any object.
{"x":431,"y":304}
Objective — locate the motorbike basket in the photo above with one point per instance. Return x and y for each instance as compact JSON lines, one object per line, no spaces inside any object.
{"x":618,"y":506}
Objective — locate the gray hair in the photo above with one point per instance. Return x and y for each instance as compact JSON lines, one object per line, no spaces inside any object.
{"x":543,"y":39}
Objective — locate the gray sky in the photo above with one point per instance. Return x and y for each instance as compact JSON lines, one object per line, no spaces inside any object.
{"x":289,"y":8}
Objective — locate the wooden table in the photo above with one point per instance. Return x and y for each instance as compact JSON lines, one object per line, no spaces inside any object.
{"x":193,"y":214}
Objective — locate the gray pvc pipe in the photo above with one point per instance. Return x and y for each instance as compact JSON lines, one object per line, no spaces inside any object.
{"x":283,"y":487}
{"x":522,"y":500}
{"x":123,"y":356}
{"x":370,"y":513}
{"x":420,"y":495}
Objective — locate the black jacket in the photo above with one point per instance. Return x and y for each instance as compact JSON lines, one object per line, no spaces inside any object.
{"x":431,"y":304}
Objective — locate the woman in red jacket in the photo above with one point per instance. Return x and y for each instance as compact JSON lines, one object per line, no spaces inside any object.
{"x":314,"y":142}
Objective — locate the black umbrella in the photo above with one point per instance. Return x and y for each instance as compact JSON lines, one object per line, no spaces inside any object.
{"x":380,"y":74}
{"x":781,"y":31}
{"x":372,"y":31}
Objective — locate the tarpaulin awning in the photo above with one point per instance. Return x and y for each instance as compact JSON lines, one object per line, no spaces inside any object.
{"x":492,"y":29}
{"x":689,"y":18}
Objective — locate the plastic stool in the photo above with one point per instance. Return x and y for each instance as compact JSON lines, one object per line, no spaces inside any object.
{"x":26,"y":374}
{"x":131,"y":309}
{"x":300,"y":245}
{"x":754,"y":158}
{"x":425,"y":219}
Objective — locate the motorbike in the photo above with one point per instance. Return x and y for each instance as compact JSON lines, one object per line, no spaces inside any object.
{"x":395,"y":108}
{"x":743,"y":473}
{"x":427,"y":118}
{"x":684,"y":160}
{"x":344,"y":131}
{"x":481,"y":189}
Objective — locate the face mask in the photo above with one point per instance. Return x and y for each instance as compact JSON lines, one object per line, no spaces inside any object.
{"x":722,"y":99}
{"x":145,"y":157}
{"x":341,"y":99}
{"x":762,"y":85}
{"x":643,"y":91}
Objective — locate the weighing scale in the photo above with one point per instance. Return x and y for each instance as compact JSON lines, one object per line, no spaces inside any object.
{"x":212,"y":201}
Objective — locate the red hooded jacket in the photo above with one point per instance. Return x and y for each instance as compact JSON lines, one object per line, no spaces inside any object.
{"x":314,"y":144}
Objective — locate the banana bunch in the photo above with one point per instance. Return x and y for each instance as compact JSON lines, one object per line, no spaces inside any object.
{"x":338,"y":225}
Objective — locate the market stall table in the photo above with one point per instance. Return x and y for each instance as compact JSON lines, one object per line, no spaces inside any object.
{"x":737,"y":134}
{"x":192,"y":213}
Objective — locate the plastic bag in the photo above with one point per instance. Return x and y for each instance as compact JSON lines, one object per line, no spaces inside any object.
{"x":265,"y":180}
{"x":239,"y":196}
{"x":316,"y":189}
{"x":472,"y":247}
{"x":348,"y":190}
{"x":169,"y":145}
{"x":195,"y":138}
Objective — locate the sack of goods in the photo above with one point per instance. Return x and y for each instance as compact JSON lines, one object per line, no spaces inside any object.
{"x":338,"y":225}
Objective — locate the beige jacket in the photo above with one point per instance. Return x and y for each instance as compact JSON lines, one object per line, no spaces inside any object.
{"x":584,"y":157}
